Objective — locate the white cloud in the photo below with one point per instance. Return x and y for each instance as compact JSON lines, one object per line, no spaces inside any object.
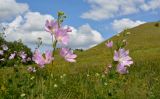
{"x":31,"y":26}
{"x":105,"y":9}
{"x":120,"y":25}
{"x":84,"y":37}
{"x":10,"y":9}
{"x":151,"y":5}
{"x":35,"y":21}
{"x":28,"y":28}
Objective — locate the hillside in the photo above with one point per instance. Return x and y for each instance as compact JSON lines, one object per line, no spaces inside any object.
{"x":143,"y":43}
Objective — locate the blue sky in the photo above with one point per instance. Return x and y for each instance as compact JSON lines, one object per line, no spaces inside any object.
{"x":104,"y":17}
{"x":73,"y":9}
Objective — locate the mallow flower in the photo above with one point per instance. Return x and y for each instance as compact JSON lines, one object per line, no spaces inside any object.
{"x":68,"y":55}
{"x":23,"y":60}
{"x":62,"y":36}
{"x":31,"y":69}
{"x":48,"y":57}
{"x":28,"y":59}
{"x":12,"y":56}
{"x":22,"y":54}
{"x":5,"y":47}
{"x":109,"y":44}
{"x":1,"y":52}
{"x":40,"y":60}
{"x":122,"y":57}
{"x":51,"y":26}
{"x":68,"y":29}
{"x":122,"y":69}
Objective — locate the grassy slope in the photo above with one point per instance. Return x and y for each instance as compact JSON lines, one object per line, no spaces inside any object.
{"x":143,"y":80}
{"x":143,"y":40}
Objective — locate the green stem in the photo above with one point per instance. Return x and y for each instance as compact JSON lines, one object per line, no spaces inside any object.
{"x":53,"y":56}
{"x":54,"y":43}
{"x":54,"y":47}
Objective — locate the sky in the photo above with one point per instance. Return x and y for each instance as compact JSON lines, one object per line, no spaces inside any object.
{"x":91,"y":21}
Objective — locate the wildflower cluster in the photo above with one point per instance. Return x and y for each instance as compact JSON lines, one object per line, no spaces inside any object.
{"x":121,"y":59}
{"x":59,"y":34}
{"x":7,"y":55}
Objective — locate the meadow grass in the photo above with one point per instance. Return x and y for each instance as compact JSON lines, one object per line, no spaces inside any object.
{"x":85,"y":79}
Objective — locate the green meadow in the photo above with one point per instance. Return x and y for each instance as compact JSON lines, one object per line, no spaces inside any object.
{"x":85,"y":78}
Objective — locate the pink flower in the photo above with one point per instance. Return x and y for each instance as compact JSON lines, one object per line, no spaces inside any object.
{"x":68,"y":55}
{"x":23,"y":60}
{"x":5,"y":47}
{"x":48,"y":56}
{"x":40,"y":60}
{"x":62,"y":36}
{"x":28,"y":59}
{"x":68,"y":29}
{"x":12,"y":56}
{"x":123,"y":59}
{"x":122,"y":69}
{"x":51,"y":26}
{"x":1,"y":52}
{"x":23,"y":55}
{"x":31,"y":69}
{"x":109,"y":44}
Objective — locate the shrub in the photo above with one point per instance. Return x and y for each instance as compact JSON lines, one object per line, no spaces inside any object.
{"x":157,"y":24}
{"x":16,"y":47}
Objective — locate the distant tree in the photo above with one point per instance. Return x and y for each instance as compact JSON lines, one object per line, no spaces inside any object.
{"x":79,"y":50}
{"x":157,"y":24}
